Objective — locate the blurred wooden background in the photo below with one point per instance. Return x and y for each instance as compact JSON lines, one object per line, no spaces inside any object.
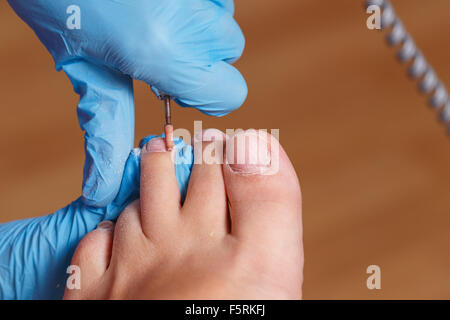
{"x":373,"y":162}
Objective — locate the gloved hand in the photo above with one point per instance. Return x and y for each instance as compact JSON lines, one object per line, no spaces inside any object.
{"x":35,"y":253}
{"x":183,"y":48}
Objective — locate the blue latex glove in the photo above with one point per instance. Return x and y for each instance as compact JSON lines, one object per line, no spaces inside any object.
{"x":183,"y":48}
{"x":35,"y":253}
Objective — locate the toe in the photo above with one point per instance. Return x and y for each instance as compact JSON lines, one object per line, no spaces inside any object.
{"x":160,"y":195}
{"x":262,"y":189}
{"x":91,"y":259}
{"x":265,"y":208}
{"x":206,"y":202}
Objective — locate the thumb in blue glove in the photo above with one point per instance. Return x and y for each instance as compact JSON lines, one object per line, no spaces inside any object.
{"x":35,"y":253}
{"x":106,"y":115}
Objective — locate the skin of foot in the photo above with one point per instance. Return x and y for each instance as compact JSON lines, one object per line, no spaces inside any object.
{"x":238,"y":234}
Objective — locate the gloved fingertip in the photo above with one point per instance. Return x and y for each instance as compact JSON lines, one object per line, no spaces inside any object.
{"x":225,"y":90}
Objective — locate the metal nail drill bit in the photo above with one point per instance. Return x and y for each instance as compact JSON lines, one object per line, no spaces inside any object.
{"x":168,"y":127}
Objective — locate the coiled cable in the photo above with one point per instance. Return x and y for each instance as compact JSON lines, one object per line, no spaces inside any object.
{"x":419,"y":69}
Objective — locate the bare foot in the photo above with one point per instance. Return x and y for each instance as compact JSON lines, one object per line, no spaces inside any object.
{"x":238,"y":235}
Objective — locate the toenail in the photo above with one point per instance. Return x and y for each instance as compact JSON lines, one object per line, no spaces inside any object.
{"x":155,"y":145}
{"x":249,"y":153}
{"x":106,"y":225}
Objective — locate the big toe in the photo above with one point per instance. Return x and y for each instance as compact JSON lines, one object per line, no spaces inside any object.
{"x":263,"y":191}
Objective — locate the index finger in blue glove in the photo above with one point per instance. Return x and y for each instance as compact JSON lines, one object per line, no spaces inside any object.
{"x":106,"y":114}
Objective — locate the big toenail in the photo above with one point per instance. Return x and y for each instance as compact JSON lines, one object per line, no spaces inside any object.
{"x":248,"y":153}
{"x":155,"y":145}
